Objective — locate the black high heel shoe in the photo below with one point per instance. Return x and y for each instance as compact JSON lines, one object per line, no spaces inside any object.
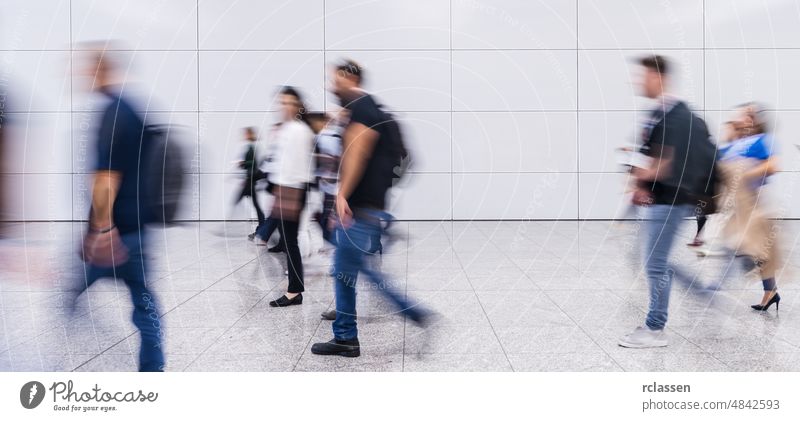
{"x":776,"y":299}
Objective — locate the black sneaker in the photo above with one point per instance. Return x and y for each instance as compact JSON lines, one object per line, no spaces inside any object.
{"x":350,"y":349}
{"x":329,"y":315}
{"x":276,"y":249}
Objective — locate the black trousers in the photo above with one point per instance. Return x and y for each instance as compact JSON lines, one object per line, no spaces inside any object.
{"x":294,"y":260}
{"x":249,"y":190}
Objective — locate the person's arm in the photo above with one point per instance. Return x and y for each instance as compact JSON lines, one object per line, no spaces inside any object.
{"x":104,"y":193}
{"x":358,"y":144}
{"x":763,"y":170}
{"x":659,"y":167}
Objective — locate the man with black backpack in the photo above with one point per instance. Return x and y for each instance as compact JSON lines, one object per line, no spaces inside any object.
{"x":115,"y":245}
{"x":372,"y":153}
{"x":679,"y":178}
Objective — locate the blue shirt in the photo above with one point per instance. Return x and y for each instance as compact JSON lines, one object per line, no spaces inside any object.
{"x":756,"y":147}
{"x":122,"y":147}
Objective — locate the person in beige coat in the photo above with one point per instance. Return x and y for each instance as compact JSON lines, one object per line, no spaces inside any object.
{"x":745,"y":163}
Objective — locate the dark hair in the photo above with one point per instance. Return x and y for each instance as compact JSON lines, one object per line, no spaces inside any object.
{"x":656,"y":63}
{"x":349,"y":68}
{"x":302,"y":112}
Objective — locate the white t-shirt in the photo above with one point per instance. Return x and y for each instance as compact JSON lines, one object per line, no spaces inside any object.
{"x":292,"y":163}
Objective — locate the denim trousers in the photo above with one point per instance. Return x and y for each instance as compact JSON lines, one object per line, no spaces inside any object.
{"x":661,"y":226}
{"x":353,"y":245}
{"x":146,"y":316}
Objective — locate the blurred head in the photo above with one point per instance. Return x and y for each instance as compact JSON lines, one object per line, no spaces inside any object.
{"x":291,"y":104}
{"x":346,"y":77}
{"x":101,"y":66}
{"x":250,"y":134}
{"x":654,"y":77}
{"x":750,"y":120}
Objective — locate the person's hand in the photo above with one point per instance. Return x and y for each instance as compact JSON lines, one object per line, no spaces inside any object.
{"x":104,"y":249}
{"x":343,"y":211}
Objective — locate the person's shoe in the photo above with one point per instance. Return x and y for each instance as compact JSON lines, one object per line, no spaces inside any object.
{"x":423,"y":318}
{"x":276,"y":249}
{"x":349,"y":348}
{"x":776,"y":299}
{"x":285,"y":301}
{"x":329,"y":315}
{"x":644,"y":337}
{"x":696,"y":243}
{"x":251,"y":237}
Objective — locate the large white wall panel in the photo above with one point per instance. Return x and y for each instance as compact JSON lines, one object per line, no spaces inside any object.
{"x":620,"y":24}
{"x":514,"y":80}
{"x":38,"y":197}
{"x":40,"y":143}
{"x":36,"y":80}
{"x":428,"y":138}
{"x":515,"y":142}
{"x":737,"y":76}
{"x":250,"y":80}
{"x":513,"y":24}
{"x":752,"y":24}
{"x":603,"y":196}
{"x":387,"y":24}
{"x":601,"y":134}
{"x":512,"y":108}
{"x":403,"y":80}
{"x":261,"y":25}
{"x":515,"y":196}
{"x":34,"y":25}
{"x":422,"y":196}
{"x":140,"y":24}
{"x":609,"y":79}
{"x":156,"y":80}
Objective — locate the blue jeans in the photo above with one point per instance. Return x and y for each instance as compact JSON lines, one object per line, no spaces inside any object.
{"x":661,"y":223}
{"x":353,"y":244}
{"x":145,"y":310}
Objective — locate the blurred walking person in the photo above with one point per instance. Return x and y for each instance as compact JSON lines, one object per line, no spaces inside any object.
{"x":367,"y":170}
{"x":746,"y":164}
{"x":115,"y":244}
{"x":290,"y":174}
{"x":252,"y":174}
{"x":682,"y":160}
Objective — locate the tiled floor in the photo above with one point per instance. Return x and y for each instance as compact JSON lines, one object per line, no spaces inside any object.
{"x":523,"y":296}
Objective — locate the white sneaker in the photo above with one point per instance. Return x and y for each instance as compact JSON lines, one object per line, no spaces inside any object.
{"x":644,"y":337}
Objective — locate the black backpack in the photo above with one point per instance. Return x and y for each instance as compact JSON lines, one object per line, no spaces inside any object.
{"x":398,"y":155}
{"x":165,"y":177}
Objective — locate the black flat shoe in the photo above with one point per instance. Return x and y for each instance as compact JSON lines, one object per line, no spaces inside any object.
{"x":776,"y":299}
{"x":350,"y":349}
{"x":276,"y":249}
{"x":285,"y":301}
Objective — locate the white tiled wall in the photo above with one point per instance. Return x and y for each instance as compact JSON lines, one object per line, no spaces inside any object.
{"x":512,"y":108}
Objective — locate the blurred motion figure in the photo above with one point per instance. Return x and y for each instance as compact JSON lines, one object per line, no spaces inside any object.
{"x":115,"y":244}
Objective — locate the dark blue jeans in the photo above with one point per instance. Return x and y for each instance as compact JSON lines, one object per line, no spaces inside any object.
{"x":145,"y":309}
{"x":353,"y":245}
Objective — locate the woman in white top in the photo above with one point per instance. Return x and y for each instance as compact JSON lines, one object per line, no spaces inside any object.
{"x":291,"y":171}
